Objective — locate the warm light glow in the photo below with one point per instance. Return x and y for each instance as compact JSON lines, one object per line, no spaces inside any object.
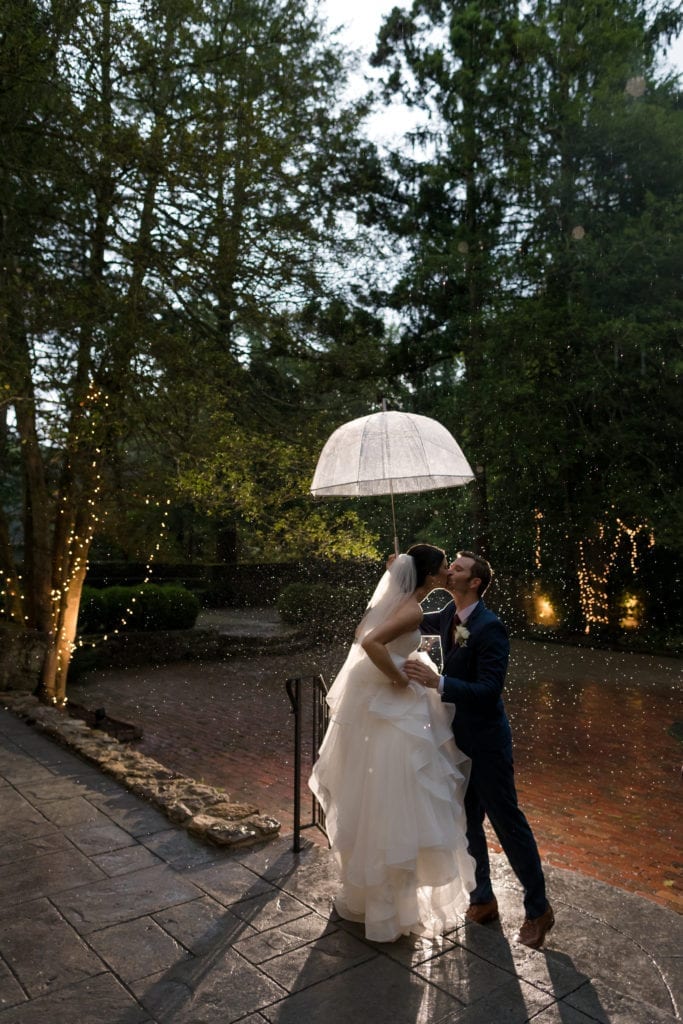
{"x":544,"y":613}
{"x":632,"y":611}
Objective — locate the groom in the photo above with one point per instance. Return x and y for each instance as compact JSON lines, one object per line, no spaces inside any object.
{"x":475,"y":650}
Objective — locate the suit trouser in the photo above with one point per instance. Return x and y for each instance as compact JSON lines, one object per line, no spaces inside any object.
{"x":491,"y":792}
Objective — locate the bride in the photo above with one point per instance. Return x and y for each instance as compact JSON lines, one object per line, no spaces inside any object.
{"x":389,"y":777}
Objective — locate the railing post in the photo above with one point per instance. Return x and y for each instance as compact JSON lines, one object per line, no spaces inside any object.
{"x":294,"y":694}
{"x":318,"y":726}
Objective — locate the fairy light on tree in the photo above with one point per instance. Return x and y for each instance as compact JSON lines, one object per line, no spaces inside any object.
{"x":148,"y":567}
{"x":596,"y":561}
{"x":538,"y":519}
{"x":79,"y":500}
{"x":542,"y":608}
{"x":594,"y":573}
{"x":593,"y":588}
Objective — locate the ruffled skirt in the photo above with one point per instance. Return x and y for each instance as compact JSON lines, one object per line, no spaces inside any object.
{"x":391,"y":783}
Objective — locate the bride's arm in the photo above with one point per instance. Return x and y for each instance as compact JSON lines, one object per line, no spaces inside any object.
{"x":405,"y":620}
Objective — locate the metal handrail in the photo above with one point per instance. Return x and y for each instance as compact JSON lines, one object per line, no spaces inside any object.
{"x":319,"y":720}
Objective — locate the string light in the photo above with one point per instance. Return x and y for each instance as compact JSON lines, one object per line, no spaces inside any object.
{"x":72,"y":550}
{"x":593,"y":583}
{"x":538,"y":516}
{"x":76,"y":523}
{"x":12,"y":589}
{"x":148,"y":574}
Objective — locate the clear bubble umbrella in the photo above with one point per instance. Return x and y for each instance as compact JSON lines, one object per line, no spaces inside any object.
{"x":389,"y":453}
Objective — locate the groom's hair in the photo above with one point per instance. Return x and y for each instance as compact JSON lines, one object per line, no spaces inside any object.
{"x":481,"y":569}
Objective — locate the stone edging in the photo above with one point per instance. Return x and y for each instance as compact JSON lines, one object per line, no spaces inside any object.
{"x":205,"y":811}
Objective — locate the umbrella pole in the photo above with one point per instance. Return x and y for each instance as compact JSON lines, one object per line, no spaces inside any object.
{"x":393,"y":519}
{"x":391,"y":492}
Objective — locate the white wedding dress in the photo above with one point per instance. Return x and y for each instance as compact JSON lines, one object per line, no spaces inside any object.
{"x":392,"y":782}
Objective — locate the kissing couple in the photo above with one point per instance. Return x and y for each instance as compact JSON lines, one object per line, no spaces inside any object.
{"x":413,"y":760}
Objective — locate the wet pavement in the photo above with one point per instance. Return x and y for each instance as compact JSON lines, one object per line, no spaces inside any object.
{"x":599,"y":763}
{"x":597,"y":753}
{"x":110,"y":916}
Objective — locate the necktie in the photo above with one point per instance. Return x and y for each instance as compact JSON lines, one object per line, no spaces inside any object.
{"x":456,"y":623}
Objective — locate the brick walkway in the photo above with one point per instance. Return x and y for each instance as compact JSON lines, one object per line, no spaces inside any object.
{"x":599,"y":772}
{"x":598,"y":769}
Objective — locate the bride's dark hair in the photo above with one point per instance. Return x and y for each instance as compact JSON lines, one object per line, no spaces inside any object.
{"x":427,"y":560}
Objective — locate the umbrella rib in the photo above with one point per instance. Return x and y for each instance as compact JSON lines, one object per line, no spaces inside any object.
{"x":422,"y":446}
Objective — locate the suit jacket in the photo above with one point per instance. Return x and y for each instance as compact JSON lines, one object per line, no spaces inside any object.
{"x":474,"y":674}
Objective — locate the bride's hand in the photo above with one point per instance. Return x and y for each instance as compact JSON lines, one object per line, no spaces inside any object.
{"x":400,"y":681}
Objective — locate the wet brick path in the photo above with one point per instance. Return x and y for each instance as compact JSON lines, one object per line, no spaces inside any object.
{"x":598,"y":764}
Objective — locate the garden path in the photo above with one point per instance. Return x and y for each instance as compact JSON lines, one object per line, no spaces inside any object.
{"x":597,"y":743}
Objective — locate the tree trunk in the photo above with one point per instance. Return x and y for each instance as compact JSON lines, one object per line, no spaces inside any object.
{"x":63,"y":635}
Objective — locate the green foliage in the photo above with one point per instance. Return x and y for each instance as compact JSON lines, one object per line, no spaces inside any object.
{"x":189,"y":268}
{"x":325,"y":611}
{"x":541,"y":303}
{"x":149,"y":608}
{"x":176,"y":185}
{"x":264,"y":480}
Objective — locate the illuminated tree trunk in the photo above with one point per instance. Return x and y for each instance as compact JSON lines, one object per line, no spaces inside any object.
{"x":61,"y":638}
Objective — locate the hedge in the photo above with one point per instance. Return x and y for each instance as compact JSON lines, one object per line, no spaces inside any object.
{"x":328,"y":612}
{"x":147,"y":608}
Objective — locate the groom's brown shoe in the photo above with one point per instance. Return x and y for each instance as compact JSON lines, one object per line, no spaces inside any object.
{"x":534,"y":930}
{"x":482,"y":913}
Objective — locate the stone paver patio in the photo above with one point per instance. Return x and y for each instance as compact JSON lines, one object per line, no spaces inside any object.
{"x":110,"y":916}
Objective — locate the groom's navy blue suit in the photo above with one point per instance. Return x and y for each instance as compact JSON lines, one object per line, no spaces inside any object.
{"x":474,"y":674}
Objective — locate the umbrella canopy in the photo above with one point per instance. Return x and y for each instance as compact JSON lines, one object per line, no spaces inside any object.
{"x":389,"y":453}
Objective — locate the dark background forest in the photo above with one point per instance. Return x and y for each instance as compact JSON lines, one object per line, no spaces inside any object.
{"x":207,"y":265}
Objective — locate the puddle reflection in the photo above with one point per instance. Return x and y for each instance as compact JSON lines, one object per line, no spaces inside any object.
{"x":598,"y":765}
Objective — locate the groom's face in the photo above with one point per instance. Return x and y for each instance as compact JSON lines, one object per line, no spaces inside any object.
{"x":460,"y":579}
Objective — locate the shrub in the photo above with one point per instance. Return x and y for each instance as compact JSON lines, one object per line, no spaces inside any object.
{"x":92,"y":615}
{"x":326,"y":611}
{"x":149,"y":608}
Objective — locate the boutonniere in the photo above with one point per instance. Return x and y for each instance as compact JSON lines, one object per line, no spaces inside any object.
{"x":461,"y":635}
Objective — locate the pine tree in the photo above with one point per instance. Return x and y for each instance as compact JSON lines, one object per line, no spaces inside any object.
{"x":170,"y":183}
{"x":534,"y":336}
